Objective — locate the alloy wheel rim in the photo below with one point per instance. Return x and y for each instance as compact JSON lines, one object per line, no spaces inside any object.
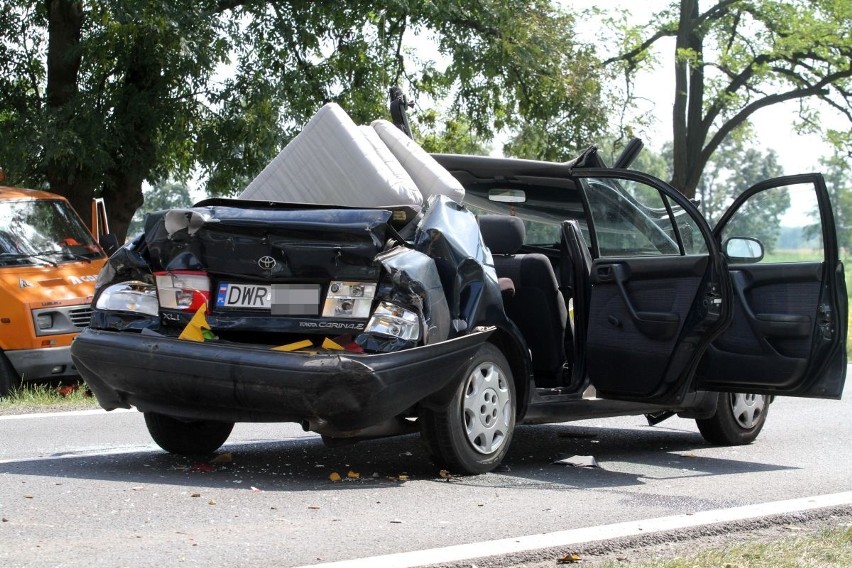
{"x":747,"y":408}
{"x":487,"y":408}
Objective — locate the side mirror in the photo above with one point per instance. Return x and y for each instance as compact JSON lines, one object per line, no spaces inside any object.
{"x":108,"y":242}
{"x":744,"y":249}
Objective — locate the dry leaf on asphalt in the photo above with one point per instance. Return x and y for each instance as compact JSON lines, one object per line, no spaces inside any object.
{"x":569,"y":559}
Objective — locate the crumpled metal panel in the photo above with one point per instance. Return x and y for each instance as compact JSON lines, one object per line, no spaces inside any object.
{"x":447,"y":276}
{"x":415,"y":282}
{"x":449,"y":234}
{"x":125,"y":264}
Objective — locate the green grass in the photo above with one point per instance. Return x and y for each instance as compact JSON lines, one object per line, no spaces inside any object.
{"x":32,"y":397}
{"x":831,"y":548}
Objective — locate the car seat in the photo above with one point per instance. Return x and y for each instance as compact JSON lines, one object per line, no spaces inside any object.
{"x":537,"y":307}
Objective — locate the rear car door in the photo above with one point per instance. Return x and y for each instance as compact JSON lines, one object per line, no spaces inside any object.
{"x":788,"y":334}
{"x":659,"y":291}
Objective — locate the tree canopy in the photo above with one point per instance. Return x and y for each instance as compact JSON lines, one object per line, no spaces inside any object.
{"x":736,"y":57}
{"x":99,"y":97}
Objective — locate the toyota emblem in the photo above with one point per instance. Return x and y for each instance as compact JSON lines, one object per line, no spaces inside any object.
{"x":266,"y":262}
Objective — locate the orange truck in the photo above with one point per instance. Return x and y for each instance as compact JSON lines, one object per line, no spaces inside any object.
{"x":49,"y":261}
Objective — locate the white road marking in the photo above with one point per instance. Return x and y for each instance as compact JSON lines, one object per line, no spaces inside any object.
{"x":151,"y":448}
{"x":572,"y":537}
{"x":64,"y":413}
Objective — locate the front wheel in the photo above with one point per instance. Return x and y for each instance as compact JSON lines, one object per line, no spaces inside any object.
{"x":9,"y":377}
{"x":738,"y":419}
{"x":472,"y":433}
{"x":196,"y":437}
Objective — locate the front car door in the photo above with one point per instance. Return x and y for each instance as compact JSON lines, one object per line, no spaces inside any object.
{"x":659,"y":290}
{"x":788,"y":335}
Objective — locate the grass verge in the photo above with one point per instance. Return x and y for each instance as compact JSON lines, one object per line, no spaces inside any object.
{"x":32,"y":397}
{"x":829,"y":548}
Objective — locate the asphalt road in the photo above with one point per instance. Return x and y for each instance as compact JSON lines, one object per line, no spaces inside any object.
{"x":93,"y":490}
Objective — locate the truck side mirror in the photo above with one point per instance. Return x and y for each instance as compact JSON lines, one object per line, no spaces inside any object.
{"x":108,"y":242}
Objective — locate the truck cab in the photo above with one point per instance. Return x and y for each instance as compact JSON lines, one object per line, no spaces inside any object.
{"x":49,"y":261}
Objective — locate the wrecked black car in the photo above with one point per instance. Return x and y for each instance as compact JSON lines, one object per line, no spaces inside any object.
{"x":458,"y":296}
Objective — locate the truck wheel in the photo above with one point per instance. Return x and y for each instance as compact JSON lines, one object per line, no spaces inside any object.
{"x":187,"y":438}
{"x":738,"y":420}
{"x":9,"y":377}
{"x":472,"y":434}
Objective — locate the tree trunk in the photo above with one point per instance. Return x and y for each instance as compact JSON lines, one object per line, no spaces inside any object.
{"x":688,"y":130}
{"x":122,"y":198}
{"x":64,"y":56}
{"x":64,"y":26}
{"x":136,"y":153}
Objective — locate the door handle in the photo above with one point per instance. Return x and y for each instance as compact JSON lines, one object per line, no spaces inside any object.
{"x":604,"y":273}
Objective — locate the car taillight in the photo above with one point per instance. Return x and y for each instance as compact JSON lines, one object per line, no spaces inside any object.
{"x":183,"y":289}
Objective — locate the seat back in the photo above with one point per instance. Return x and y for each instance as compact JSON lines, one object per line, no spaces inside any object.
{"x":537,"y":307}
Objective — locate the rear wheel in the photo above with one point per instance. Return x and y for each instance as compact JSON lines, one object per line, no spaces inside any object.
{"x":472,"y":434}
{"x":738,"y":420}
{"x":9,"y":377}
{"x":187,"y":438}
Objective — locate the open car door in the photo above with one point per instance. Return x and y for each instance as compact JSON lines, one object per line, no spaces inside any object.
{"x":659,"y":292}
{"x":788,"y":334}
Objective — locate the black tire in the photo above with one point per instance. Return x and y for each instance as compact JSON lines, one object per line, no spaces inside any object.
{"x":197,"y":437}
{"x":9,"y":377}
{"x":472,"y":434}
{"x":738,"y":420}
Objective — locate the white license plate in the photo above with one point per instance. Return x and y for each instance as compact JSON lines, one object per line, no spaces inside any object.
{"x":278,"y":299}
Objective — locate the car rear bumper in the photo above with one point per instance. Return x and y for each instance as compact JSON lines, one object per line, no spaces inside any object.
{"x":239,"y":383}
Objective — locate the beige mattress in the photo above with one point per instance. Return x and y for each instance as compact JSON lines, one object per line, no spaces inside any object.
{"x":333,"y":161}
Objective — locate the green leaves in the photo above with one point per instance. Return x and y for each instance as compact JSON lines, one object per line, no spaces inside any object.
{"x":152,"y":90}
{"x":736,"y":57}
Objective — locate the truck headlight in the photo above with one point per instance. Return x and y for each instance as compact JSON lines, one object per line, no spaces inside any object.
{"x":130,"y":296}
{"x":349,"y":299}
{"x":44,"y":321}
{"x":394,"y":321}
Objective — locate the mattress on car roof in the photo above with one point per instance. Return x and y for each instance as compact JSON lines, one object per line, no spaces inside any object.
{"x":334,"y":162}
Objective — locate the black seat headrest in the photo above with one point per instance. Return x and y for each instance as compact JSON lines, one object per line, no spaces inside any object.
{"x":502,"y":234}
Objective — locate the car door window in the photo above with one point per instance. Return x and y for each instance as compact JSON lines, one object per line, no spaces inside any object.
{"x":630,"y":219}
{"x":785,"y":220}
